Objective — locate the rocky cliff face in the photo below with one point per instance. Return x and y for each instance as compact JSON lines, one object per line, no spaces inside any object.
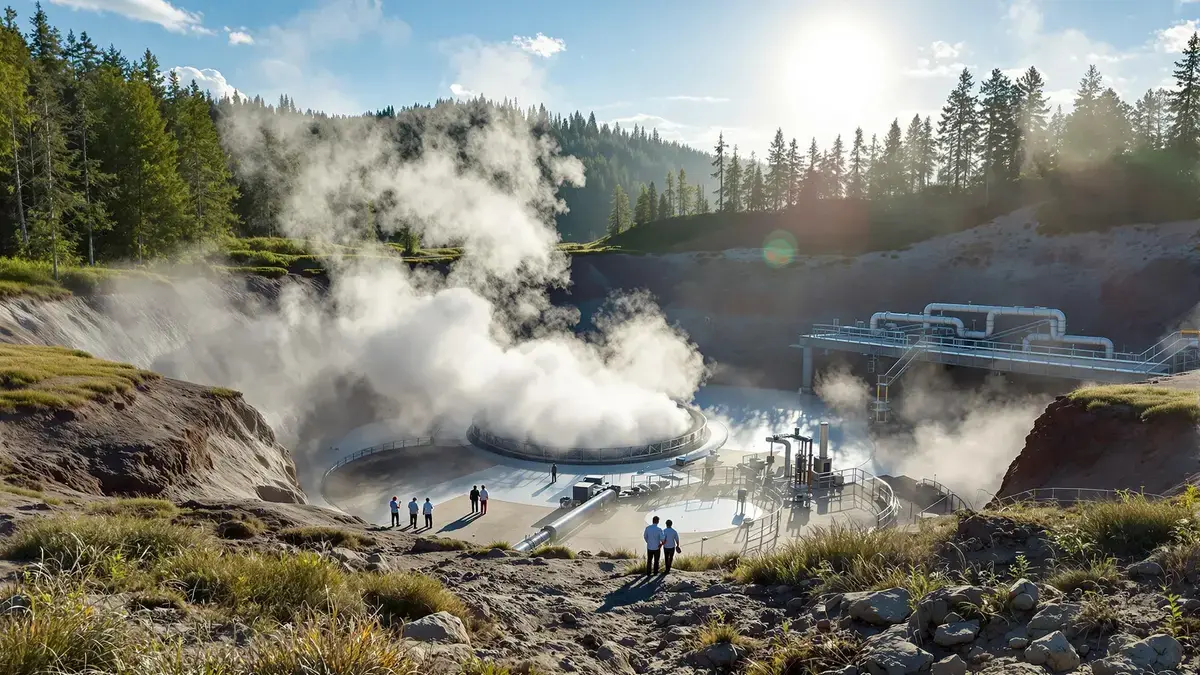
{"x":168,"y":439}
{"x":1110,"y":448}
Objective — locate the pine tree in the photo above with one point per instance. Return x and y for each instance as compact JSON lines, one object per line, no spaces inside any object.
{"x":719,"y":174}
{"x":618,"y":217}
{"x":14,"y":82}
{"x":1056,"y":133}
{"x":912,"y":154}
{"x":1084,"y":132}
{"x":794,"y":173}
{"x":1184,"y":102}
{"x":958,"y":131}
{"x":202,"y":166}
{"x":874,"y":169}
{"x":669,"y":198}
{"x":748,"y":183}
{"x":893,"y":176}
{"x":836,"y":173}
{"x":733,"y":184}
{"x":812,"y":177}
{"x":777,"y":172}
{"x":928,"y":153}
{"x":652,"y":203}
{"x":1032,"y":119}
{"x":641,"y":208}
{"x":998,"y":117}
{"x":1150,"y":120}
{"x":664,"y":207}
{"x":682,"y":192}
{"x":856,"y":180}
{"x":702,"y":206}
{"x":758,"y":190}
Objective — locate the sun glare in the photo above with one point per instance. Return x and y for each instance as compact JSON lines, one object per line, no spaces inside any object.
{"x":836,"y":66}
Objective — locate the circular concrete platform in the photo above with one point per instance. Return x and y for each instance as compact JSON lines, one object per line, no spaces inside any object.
{"x":704,"y":515}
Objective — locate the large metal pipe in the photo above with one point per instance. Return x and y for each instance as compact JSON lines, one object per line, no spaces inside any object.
{"x":1058,"y":323}
{"x":1071,"y":339}
{"x":567,"y":522}
{"x":879,"y":317}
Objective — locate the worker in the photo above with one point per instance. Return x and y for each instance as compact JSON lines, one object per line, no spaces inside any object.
{"x":428,"y":513}
{"x":553,"y":473}
{"x":483,"y":497}
{"x":474,"y":499}
{"x":653,"y":535}
{"x":394,"y":505}
{"x":670,"y":546}
{"x":412,"y":513}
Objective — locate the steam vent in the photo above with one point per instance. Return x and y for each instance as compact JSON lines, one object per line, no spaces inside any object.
{"x":697,"y":435}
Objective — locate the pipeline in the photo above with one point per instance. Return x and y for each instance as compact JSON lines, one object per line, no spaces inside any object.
{"x":878,"y":317}
{"x":564,"y":524}
{"x":1058,"y":324}
{"x":1075,"y":339}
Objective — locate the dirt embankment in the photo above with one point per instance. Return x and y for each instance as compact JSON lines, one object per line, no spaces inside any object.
{"x":1111,"y":447}
{"x":168,"y":438}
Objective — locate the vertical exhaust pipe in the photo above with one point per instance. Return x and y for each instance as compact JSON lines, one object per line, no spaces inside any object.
{"x":824,"y":452}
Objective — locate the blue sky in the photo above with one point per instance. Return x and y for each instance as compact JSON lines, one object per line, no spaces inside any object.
{"x":691,"y":69}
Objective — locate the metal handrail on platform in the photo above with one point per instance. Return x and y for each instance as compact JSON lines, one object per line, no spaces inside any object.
{"x":1062,"y":495}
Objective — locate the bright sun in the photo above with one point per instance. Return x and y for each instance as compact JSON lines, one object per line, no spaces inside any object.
{"x":836,"y":67}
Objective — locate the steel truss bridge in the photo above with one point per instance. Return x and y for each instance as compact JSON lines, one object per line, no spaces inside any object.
{"x":1000,"y":352}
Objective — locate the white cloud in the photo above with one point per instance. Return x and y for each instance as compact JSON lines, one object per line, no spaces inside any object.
{"x":945,"y":50}
{"x":540,"y":44}
{"x":496,"y":70}
{"x":291,"y":67}
{"x":1174,"y":39}
{"x":161,"y":12}
{"x":701,"y":137}
{"x":697,"y":99}
{"x":240,"y":37}
{"x":207,"y":78}
{"x":927,"y":68}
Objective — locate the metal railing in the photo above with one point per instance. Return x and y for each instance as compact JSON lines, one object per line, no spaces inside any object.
{"x":1152,"y":360}
{"x":382,"y":447}
{"x":1061,"y":495}
{"x":949,"y":501}
{"x":763,"y":534}
{"x":697,"y":475}
{"x":534,"y":451}
{"x":880,"y":499}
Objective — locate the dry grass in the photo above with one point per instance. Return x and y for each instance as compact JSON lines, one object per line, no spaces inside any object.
{"x":849,"y":558}
{"x":33,"y":376}
{"x":1133,"y":525}
{"x":1094,"y":573}
{"x":240,"y":526}
{"x":137,"y":507}
{"x":807,"y":653}
{"x":325,"y":537}
{"x":63,"y":634}
{"x":75,"y":542}
{"x":718,"y":631}
{"x":692,"y":563}
{"x":1148,"y":402}
{"x":618,"y":554}
{"x":1098,"y":614}
{"x":396,"y":598}
{"x":322,"y":647}
{"x":222,"y":392}
{"x":553,"y":551}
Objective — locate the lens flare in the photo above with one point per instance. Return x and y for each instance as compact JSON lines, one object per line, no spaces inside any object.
{"x":779,"y":250}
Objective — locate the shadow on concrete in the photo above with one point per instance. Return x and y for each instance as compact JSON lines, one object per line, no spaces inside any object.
{"x":461,"y":522}
{"x":635,"y":590}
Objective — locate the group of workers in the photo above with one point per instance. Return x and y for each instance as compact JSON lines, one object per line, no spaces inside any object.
{"x":413,"y":509}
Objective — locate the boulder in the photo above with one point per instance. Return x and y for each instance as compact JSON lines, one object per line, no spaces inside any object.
{"x":719,"y":656}
{"x":1145,"y":568}
{"x":959,"y":633}
{"x":1156,"y":653}
{"x":951,"y":665}
{"x":890,"y":653}
{"x":1023,"y":595}
{"x":1054,"y":652}
{"x":934,"y":609}
{"x":15,"y":604}
{"x":1018,"y":643}
{"x":1052,"y":618}
{"x":439,"y":627}
{"x":348,"y":556}
{"x":882,"y":608}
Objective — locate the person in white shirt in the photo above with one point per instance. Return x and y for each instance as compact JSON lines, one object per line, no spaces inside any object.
{"x":670,"y":547}
{"x":428,"y":513}
{"x":653,"y":535}
{"x":483,"y":500}
{"x":394,"y":505}
{"x":412,"y":513}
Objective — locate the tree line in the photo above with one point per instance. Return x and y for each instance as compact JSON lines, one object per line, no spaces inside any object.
{"x":987,"y":139}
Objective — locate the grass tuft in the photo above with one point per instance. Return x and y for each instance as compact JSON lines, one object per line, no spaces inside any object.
{"x":61,"y":633}
{"x":1134,"y":525}
{"x":137,"y":507}
{"x":241,"y":527}
{"x":692,"y":563}
{"x":222,"y":392}
{"x":396,"y":598}
{"x":325,"y":537}
{"x":1147,"y":402}
{"x":553,"y":551}
{"x":1096,"y":572}
{"x":718,"y":631}
{"x":500,"y":544}
{"x":359,"y":647}
{"x":72,"y":542}
{"x":808,"y":653}
{"x":618,"y":554}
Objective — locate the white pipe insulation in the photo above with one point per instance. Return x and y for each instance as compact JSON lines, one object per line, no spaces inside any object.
{"x":879,"y":317}
{"x":1072,"y":339}
{"x":1058,"y":324}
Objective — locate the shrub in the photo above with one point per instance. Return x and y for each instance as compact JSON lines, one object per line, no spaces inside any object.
{"x":1098,"y":614}
{"x":67,"y":542}
{"x":62,"y":634}
{"x":137,"y":507}
{"x":325,"y":536}
{"x":1132,"y":526}
{"x":718,"y":631}
{"x":553,"y":551}
{"x":397,"y":597}
{"x":260,"y":586}
{"x":1096,"y":571}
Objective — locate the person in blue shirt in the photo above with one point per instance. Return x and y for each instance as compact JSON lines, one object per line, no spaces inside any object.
{"x":394,"y":505}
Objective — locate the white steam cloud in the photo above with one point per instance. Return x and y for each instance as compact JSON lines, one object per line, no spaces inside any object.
{"x":480,"y":341}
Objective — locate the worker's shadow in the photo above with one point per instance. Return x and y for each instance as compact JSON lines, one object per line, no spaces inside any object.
{"x":461,"y":522}
{"x":638,"y":589}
